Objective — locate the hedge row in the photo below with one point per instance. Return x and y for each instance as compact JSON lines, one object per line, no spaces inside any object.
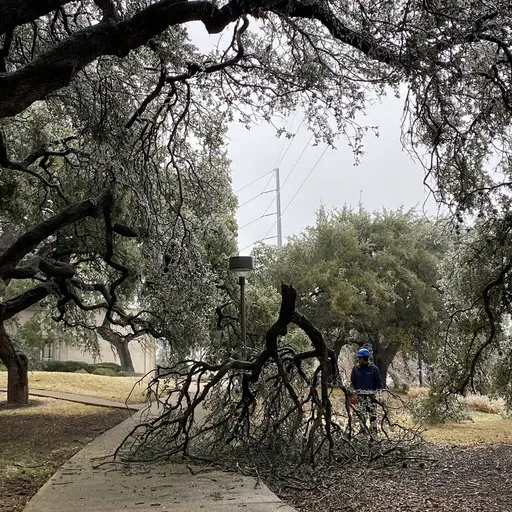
{"x":108,"y":369}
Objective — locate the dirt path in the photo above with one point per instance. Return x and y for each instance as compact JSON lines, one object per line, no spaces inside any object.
{"x":36,"y":440}
{"x":459,"y":480}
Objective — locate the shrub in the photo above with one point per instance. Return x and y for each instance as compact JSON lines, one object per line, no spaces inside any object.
{"x":81,"y":371}
{"x":65,"y":366}
{"x":3,"y":368}
{"x":482,"y":403}
{"x":415,"y":392}
{"x":109,"y":366}
{"x":124,"y":374}
{"x":108,"y":372}
{"x":436,"y":407}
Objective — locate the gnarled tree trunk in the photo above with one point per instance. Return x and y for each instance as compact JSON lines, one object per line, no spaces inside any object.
{"x":333,"y":369}
{"x":383,"y":354}
{"x":125,"y":358}
{"x":17,"y":368}
{"x":120,"y":343}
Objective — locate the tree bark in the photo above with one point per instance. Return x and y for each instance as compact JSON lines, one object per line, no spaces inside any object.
{"x":333,"y":369}
{"x":120,"y":343}
{"x":59,"y":65}
{"x":17,"y":369}
{"x":383,"y":355}
{"x":125,"y":358}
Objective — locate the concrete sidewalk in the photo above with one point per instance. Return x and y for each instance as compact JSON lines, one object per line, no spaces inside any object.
{"x":72,"y":397}
{"x":89,"y":482}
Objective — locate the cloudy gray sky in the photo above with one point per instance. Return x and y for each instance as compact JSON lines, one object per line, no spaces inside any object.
{"x":387,"y":177}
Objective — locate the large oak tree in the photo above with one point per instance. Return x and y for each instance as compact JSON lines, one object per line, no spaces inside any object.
{"x":141,"y":101}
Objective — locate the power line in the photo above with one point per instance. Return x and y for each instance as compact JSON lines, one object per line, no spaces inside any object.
{"x":253,"y":221}
{"x":254,"y":181}
{"x":255,"y":197}
{"x":291,"y":200}
{"x":292,"y":138}
{"x":297,"y":161}
{"x":281,"y":187}
{"x":280,"y":158}
{"x":298,"y":190}
{"x":278,"y":162}
{"x":290,"y":124}
{"x":265,"y":213}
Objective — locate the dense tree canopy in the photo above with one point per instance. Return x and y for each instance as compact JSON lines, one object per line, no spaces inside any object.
{"x":122,"y":157}
{"x":368,"y":279}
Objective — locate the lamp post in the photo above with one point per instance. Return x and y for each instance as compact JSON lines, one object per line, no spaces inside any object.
{"x":241,"y":266}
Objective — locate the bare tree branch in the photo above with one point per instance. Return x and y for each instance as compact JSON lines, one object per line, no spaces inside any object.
{"x":32,"y":238}
{"x":58,"y":66}
{"x":17,"y":12}
{"x":13,"y":306}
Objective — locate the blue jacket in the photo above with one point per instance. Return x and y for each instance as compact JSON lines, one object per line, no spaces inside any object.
{"x":366,"y":378}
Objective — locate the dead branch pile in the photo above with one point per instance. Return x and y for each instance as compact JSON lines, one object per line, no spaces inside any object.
{"x":276,"y":411}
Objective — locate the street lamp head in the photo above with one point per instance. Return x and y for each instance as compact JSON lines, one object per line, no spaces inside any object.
{"x":241,"y":265}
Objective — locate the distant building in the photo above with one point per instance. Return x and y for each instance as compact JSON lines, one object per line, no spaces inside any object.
{"x":142,"y":350}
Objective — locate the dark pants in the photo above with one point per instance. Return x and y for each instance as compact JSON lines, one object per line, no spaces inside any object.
{"x":367,"y":410}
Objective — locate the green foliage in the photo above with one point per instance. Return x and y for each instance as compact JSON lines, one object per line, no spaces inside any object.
{"x":367,"y":278}
{"x":109,"y":366}
{"x":108,"y":372}
{"x":66,"y":366}
{"x":124,"y":374}
{"x":438,"y":406}
{"x":262,"y":303}
{"x":3,"y":368}
{"x":82,"y":367}
{"x":501,"y":379}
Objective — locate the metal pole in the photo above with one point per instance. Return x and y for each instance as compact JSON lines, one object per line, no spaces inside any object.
{"x":241,"y":282}
{"x":278,"y":204}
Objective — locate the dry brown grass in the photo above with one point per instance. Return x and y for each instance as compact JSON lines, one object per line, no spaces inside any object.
{"x":477,"y":403}
{"x":415,"y":392}
{"x":484,"y":429}
{"x":39,"y":438}
{"x":482,"y":403}
{"x":108,"y":388}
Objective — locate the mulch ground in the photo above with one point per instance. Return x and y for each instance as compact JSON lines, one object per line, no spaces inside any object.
{"x":457,"y":480}
{"x":34,"y":445}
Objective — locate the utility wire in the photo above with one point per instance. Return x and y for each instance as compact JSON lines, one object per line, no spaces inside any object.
{"x":284,"y":182}
{"x":279,"y":157}
{"x":279,"y":160}
{"x":255,"y":197}
{"x":273,"y":199}
{"x":264,"y":214}
{"x":268,"y":207}
{"x":253,"y":221}
{"x":284,"y":140}
{"x":265,"y":191}
{"x":254,"y":181}
{"x":296,"y":193}
{"x":297,"y":161}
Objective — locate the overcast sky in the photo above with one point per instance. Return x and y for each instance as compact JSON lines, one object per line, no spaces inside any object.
{"x":387,"y":177}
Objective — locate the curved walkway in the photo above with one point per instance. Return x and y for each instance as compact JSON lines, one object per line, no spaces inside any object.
{"x":91,"y":482}
{"x":81,"y":399}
